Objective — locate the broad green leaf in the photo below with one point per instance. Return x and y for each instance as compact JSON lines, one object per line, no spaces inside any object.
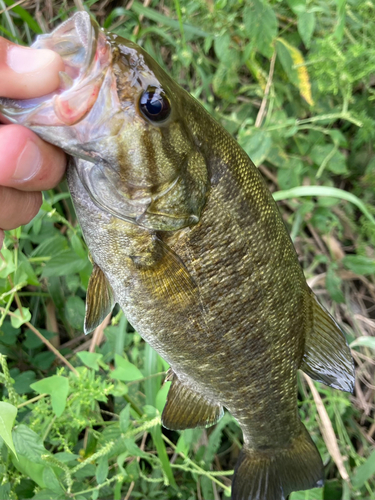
{"x":359,"y":264}
{"x":90,"y":359}
{"x":23,"y":380}
{"x":261,"y":25}
{"x":125,"y":371}
{"x":28,"y":444}
{"x":101,"y":472}
{"x":50,"y":479}
{"x":58,"y":388}
{"x":75,"y":312}
{"x":8,"y":415}
{"x":257,"y":144}
{"x":66,"y":262}
{"x":20,"y":320}
{"x":306,"y":26}
{"x":314,"y":494}
{"x":364,"y":472}
{"x":31,"y":469}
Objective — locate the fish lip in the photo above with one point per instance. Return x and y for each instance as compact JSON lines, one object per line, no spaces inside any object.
{"x":84,"y":64}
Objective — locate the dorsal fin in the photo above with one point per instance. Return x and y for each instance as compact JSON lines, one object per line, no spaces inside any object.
{"x":186,"y":408}
{"x":327,"y":355}
{"x":99,"y":300}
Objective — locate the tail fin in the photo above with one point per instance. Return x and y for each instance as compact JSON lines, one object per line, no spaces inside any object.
{"x":273,"y":474}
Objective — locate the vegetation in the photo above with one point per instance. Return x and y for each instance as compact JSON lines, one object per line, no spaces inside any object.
{"x":294,"y":81}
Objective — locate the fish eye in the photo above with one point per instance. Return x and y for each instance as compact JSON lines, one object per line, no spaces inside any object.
{"x":154,"y":104}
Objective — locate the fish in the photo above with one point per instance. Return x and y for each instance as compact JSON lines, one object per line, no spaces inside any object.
{"x":185,"y":236}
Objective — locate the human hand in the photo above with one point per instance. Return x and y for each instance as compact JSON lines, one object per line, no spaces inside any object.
{"x":27,"y":164}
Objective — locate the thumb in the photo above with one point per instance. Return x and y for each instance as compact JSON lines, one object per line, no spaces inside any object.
{"x":27,"y":73}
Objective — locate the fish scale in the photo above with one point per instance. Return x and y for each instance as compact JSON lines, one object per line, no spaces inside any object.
{"x":186,"y":237}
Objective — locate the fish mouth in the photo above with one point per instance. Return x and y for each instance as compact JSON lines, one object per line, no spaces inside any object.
{"x":86,"y":54}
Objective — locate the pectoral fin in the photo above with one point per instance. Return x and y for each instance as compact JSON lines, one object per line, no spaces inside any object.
{"x":99,"y":300}
{"x":186,"y":409}
{"x":327,"y":355}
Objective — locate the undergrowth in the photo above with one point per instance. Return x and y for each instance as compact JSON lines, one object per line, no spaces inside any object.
{"x":294,"y":82}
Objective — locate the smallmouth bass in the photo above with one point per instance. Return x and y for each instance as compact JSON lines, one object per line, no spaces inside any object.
{"x":186,"y":237}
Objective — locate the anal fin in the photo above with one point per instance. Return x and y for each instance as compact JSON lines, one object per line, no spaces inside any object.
{"x":186,"y":408}
{"x":327,"y":356}
{"x":99,"y":300}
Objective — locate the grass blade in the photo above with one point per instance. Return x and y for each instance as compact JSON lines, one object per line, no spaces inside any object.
{"x":332,"y":192}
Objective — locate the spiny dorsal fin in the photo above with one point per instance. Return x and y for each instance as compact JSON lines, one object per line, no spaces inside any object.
{"x":99,"y":300}
{"x":327,"y":355}
{"x":186,"y":409}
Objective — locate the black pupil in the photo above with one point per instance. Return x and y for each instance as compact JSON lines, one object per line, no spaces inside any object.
{"x":154,"y":104}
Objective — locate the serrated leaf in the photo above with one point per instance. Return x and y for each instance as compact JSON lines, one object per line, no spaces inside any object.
{"x":125,"y":371}
{"x":261,"y":25}
{"x":8,"y":415}
{"x":90,"y":359}
{"x":19,"y":320}
{"x":58,"y":388}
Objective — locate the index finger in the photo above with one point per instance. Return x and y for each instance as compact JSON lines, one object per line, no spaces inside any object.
{"x":26,"y":73}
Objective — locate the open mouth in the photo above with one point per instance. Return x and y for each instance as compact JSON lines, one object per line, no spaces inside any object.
{"x":86,"y":55}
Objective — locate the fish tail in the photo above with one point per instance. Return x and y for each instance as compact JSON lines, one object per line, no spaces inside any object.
{"x":272,"y":474}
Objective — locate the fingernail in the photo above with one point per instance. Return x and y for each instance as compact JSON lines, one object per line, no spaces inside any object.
{"x":25,"y":60}
{"x":29,"y":162}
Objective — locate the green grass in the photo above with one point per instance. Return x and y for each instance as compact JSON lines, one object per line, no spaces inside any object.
{"x":293,"y":81}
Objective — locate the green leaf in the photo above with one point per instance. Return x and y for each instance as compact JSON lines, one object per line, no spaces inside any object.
{"x":66,"y":262}
{"x":333,"y":284}
{"x":359,"y":264}
{"x":364,"y":472}
{"x":58,"y":388}
{"x":25,"y":16}
{"x":75,"y":312}
{"x":323,"y":191}
{"x":125,"y":418}
{"x":125,"y":371}
{"x":28,"y":444}
{"x":161,"y":396}
{"x":364,"y":342}
{"x":8,"y":415}
{"x":101,"y":472}
{"x":20,"y":320}
{"x":314,"y":494}
{"x":22,"y":382}
{"x":261,"y":25}
{"x":90,"y":359}
{"x":306,"y":26}
{"x":257,"y":145}
{"x":7,"y":265}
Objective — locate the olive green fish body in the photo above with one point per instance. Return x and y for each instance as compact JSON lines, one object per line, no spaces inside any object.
{"x":186,"y":237}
